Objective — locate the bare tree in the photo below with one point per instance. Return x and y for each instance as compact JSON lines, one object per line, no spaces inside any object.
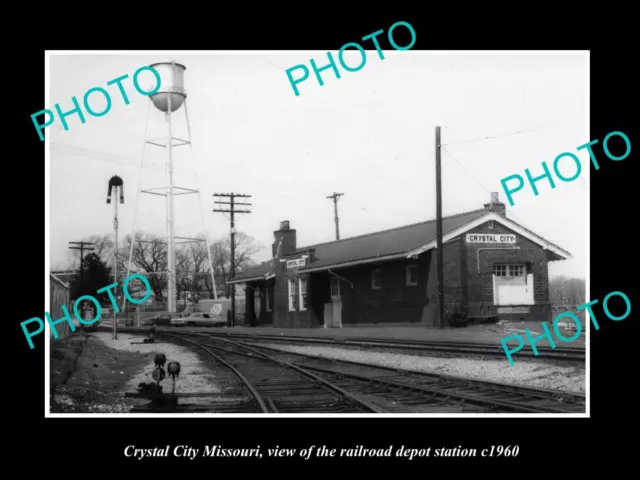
{"x":567,"y":291}
{"x":59,"y":267}
{"x":184,"y":269}
{"x":244,"y":248}
{"x":200,"y":265}
{"x":150,"y":256}
{"x":102,"y":246}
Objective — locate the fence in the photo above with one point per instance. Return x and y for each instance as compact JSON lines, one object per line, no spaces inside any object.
{"x":59,"y":295}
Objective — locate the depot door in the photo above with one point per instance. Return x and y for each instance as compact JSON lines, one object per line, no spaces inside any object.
{"x":335,"y":317}
{"x":513,"y":285}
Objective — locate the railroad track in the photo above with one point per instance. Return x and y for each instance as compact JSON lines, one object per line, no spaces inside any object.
{"x":457,"y":348}
{"x":328,"y":386}
{"x":541,"y":399}
{"x":276,"y":386}
{"x":563,"y":354}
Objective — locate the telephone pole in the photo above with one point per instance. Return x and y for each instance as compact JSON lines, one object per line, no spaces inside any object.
{"x":232,"y":210}
{"x":439,"y":230}
{"x":82,"y":246}
{"x":335,"y":198}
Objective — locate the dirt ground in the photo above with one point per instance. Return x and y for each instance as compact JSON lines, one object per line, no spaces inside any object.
{"x":89,"y":377}
{"x":92,"y":372}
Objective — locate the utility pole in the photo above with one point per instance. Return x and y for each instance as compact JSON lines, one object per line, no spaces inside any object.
{"x":439,"y":230}
{"x":232,"y":210}
{"x":335,"y":198}
{"x":82,"y":246}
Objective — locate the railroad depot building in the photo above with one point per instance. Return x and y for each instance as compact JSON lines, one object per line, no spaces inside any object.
{"x":493,"y":268}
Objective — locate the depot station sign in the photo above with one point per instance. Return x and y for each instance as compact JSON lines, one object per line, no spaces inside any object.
{"x":490,"y":238}
{"x":300,"y":262}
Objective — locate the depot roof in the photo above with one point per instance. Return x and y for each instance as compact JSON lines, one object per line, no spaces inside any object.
{"x":401,"y":242}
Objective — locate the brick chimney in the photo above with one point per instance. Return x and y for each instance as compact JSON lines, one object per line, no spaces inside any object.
{"x":288,"y":237}
{"x":495,"y":205}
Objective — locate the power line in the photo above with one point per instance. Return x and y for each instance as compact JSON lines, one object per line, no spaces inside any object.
{"x":100,"y":156}
{"x":461,"y":166}
{"x":108,"y":157}
{"x":473,"y":176}
{"x":478,"y":182}
{"x":467,"y":171}
{"x":497,"y":136}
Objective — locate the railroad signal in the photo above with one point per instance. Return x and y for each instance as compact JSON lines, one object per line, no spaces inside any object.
{"x":160,"y":359}
{"x":174,"y":370}
{"x":158,"y":375}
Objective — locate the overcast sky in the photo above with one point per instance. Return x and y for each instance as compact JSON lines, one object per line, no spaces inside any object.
{"x":369,"y":135}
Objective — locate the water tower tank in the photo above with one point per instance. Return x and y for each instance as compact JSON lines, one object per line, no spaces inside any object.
{"x":172,"y":77}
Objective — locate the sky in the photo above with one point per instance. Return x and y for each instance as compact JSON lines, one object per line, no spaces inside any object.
{"x":369,"y":135}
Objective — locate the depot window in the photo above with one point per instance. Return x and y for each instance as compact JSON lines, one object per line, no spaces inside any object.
{"x":375,"y":279}
{"x":303,"y":293}
{"x":412,"y":275}
{"x":292,"y":294}
{"x":506,"y":270}
{"x":269,"y":297}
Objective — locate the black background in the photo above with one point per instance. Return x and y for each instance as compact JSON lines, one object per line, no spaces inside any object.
{"x":68,"y":448}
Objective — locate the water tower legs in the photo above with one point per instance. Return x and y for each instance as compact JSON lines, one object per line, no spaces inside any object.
{"x":171,"y":277}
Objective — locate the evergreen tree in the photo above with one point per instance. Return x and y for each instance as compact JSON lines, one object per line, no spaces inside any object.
{"x":95,"y":275}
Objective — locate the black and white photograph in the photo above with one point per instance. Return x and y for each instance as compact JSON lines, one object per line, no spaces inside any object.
{"x":251,"y":233}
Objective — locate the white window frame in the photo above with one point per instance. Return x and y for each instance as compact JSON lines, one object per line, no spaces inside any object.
{"x":302,"y":281}
{"x":334,"y":282}
{"x":291,"y":282}
{"x":509,"y":268}
{"x":373,"y":278}
{"x":408,"y":269}
{"x":523,"y":270}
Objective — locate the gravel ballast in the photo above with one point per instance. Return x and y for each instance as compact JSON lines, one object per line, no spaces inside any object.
{"x":94,"y":376}
{"x":194,"y":376}
{"x":533,"y":374}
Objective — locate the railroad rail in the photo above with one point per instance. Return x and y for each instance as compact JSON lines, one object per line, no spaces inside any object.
{"x":276,"y":386}
{"x":562,"y":354}
{"x":557,"y":401}
{"x":378,"y":389}
{"x":456,"y":348}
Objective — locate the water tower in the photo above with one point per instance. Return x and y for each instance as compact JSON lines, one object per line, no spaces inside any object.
{"x":169,"y":99}
{"x":171,"y":94}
